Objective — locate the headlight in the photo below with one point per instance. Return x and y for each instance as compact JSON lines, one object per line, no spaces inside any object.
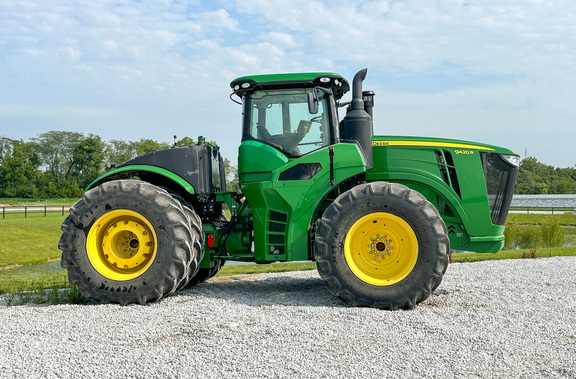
{"x":513,"y":160}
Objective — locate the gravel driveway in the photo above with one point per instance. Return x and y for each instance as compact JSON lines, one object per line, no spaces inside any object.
{"x":514,"y":318}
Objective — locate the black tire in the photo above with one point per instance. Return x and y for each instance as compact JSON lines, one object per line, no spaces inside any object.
{"x":206,"y":273}
{"x":357,"y":234}
{"x":196,"y":228}
{"x":144,"y":217}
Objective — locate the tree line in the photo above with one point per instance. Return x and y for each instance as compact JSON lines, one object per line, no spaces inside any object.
{"x":60,"y":164}
{"x":538,"y":178}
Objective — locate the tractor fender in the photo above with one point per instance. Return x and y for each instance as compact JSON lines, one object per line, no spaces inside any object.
{"x":152,"y":174}
{"x":411,"y":180}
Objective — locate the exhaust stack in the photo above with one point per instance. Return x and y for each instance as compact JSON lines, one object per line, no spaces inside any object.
{"x":357,"y":125}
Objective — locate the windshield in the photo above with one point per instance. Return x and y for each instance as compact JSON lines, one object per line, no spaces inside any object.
{"x":281,"y":118}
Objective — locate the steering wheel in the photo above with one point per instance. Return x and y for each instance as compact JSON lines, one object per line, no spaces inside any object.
{"x":316,"y":119}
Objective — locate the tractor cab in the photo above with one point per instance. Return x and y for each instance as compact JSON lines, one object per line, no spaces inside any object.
{"x":293,"y":113}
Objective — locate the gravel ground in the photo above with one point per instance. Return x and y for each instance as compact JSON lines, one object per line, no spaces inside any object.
{"x":514,"y":318}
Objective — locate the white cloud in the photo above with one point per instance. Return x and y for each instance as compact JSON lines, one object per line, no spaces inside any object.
{"x":282,"y":39}
{"x":434,"y":63}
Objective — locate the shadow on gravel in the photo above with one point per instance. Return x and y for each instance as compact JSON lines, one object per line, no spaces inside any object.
{"x":284,"y":291}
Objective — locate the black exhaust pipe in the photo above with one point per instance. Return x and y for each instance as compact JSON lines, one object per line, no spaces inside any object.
{"x":357,"y":125}
{"x":357,"y":100}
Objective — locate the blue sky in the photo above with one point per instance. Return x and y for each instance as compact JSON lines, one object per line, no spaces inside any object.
{"x":499,"y":72}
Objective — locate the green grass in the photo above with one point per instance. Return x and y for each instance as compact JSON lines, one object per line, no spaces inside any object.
{"x":49,"y":296}
{"x":32,"y":240}
{"x":12,"y":202}
{"x":30,"y":278}
{"x":263,"y":268}
{"x":515,"y":254}
{"x":566,"y":219}
{"x":39,"y":284}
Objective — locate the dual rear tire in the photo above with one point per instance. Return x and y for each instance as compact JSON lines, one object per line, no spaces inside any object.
{"x":129,"y":241}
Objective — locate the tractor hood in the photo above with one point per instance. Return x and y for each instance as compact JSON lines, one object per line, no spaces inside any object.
{"x":437,"y":142}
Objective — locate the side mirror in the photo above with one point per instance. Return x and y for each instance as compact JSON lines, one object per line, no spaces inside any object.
{"x":312,"y":102}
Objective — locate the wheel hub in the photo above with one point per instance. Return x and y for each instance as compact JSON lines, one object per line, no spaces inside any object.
{"x":121,"y":244}
{"x":134,"y":243}
{"x":381,"y":248}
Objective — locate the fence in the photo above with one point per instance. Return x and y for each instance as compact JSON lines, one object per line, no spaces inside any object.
{"x":549,"y":210}
{"x":34,"y":209}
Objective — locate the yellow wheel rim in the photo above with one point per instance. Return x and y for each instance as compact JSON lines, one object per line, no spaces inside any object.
{"x":121,"y":245}
{"x":381,"y":249}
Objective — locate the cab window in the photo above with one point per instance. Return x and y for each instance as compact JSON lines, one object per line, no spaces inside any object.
{"x":281,"y":118}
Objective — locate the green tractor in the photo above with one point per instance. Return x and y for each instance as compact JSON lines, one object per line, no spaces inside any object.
{"x":378,"y":214}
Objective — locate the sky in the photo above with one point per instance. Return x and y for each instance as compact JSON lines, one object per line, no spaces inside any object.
{"x":491,"y":71}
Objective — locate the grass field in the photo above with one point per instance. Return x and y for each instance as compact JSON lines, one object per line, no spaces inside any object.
{"x":12,"y":202}
{"x":31,"y":240}
{"x":29,"y":255}
{"x":565,"y":219}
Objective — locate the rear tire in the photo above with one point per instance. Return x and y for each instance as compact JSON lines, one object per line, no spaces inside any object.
{"x":381,"y":245}
{"x":127,"y":241}
{"x":206,"y":273}
{"x":196,"y":228}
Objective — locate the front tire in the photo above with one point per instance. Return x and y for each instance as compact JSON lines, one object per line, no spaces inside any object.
{"x":127,"y":241}
{"x":381,"y":245}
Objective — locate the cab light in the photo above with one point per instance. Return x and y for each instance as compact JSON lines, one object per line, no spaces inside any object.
{"x":513,"y":160}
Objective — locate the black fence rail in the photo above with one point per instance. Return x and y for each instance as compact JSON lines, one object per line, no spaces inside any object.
{"x":34,"y":209}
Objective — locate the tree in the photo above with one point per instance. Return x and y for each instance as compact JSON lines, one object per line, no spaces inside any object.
{"x":186,"y":141}
{"x":562,"y":185}
{"x":146,"y":146}
{"x":118,"y":152}
{"x":87,"y":160}
{"x":19,"y":170}
{"x":5,"y":147}
{"x":538,"y":178}
{"x":56,"y":150}
{"x":232,"y":182}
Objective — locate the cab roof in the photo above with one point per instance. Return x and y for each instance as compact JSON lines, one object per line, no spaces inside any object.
{"x":335,"y":82}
